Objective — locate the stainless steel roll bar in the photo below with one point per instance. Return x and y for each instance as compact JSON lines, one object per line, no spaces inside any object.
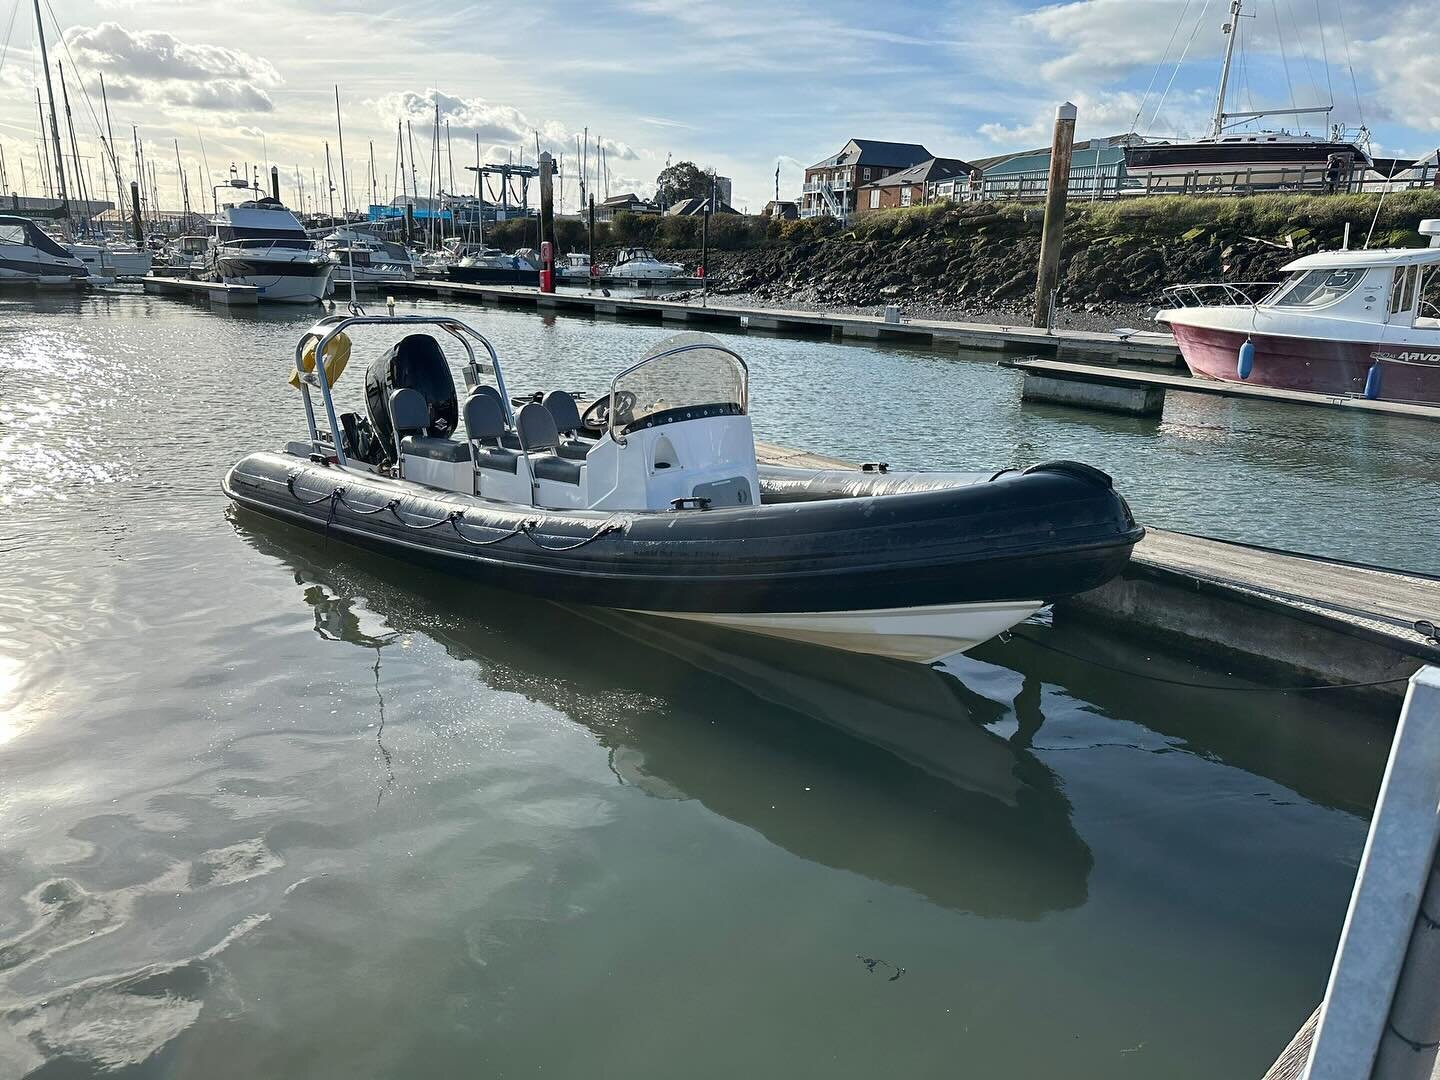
{"x":325,"y":330}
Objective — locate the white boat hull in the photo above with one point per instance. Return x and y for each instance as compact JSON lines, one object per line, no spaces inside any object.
{"x":119,"y":263}
{"x":921,"y":635}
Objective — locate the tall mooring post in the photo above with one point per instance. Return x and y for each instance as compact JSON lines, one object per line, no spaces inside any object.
{"x":547,"y":223}
{"x":1053,"y":235}
{"x":593,"y":269}
{"x":274,"y":183}
{"x":135,"y":213}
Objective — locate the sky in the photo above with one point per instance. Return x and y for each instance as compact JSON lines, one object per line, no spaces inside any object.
{"x":743,"y":86}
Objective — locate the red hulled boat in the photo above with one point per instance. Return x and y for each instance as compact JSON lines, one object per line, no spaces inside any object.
{"x":1361,"y":323}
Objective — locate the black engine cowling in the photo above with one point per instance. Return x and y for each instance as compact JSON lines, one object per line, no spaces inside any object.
{"x":415,"y":363}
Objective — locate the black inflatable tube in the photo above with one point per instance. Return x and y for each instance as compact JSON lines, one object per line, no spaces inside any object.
{"x":1038,"y":535}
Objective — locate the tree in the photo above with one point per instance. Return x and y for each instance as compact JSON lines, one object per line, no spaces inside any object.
{"x":683,"y":180}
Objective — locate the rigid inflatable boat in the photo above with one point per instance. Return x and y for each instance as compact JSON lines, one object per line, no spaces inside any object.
{"x":652,"y":501}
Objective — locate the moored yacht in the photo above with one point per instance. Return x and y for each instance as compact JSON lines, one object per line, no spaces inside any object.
{"x":577,"y":266}
{"x":28,"y":256}
{"x":261,"y":243}
{"x":108,"y":258}
{"x":477,"y":264}
{"x":367,"y":258}
{"x":184,"y":255}
{"x":1229,"y":158}
{"x":640,"y":264}
{"x":651,"y":500}
{"x":1358,"y":323}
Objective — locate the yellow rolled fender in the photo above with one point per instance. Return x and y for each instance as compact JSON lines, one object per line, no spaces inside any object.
{"x":337,"y":355}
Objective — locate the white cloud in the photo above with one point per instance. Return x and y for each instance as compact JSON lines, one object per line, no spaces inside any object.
{"x":499,"y":127}
{"x":1408,"y":76}
{"x":153,"y":66}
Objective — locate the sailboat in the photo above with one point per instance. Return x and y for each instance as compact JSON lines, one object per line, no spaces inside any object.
{"x":1231,"y":159}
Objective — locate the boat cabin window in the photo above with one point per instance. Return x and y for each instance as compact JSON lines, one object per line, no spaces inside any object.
{"x":12,"y":234}
{"x":1402,"y":289}
{"x":1429,"y":290}
{"x":1316,"y":288}
{"x":682,"y":382}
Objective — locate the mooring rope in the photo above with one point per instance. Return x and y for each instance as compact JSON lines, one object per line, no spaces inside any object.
{"x":456,"y":518}
{"x":608,"y":527}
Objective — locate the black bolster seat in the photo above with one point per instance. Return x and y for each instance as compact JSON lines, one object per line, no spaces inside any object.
{"x":539,"y":436}
{"x":485,"y":427}
{"x":566,"y":415}
{"x":410,"y":415}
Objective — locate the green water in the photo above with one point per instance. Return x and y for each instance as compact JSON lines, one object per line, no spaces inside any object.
{"x":269,"y":807}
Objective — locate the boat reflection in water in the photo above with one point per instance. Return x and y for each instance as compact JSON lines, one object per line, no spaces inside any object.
{"x":878,"y":767}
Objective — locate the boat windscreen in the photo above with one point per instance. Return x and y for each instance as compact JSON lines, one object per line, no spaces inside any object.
{"x":1316,"y":288}
{"x":684,"y":372}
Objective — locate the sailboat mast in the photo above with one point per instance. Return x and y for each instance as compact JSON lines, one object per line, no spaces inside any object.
{"x":114,"y":161}
{"x":1232,"y":31}
{"x":344,"y":181}
{"x":74,"y":149}
{"x":50,"y":96}
{"x":43,"y":150}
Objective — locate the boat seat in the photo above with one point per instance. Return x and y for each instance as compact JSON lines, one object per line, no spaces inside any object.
{"x":507,"y":437}
{"x":485,"y":429}
{"x":539,"y":437}
{"x":561,"y":407}
{"x":552,"y":467}
{"x":427,"y":446}
{"x":504,"y":460}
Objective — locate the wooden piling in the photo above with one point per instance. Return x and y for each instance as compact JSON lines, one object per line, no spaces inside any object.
{"x":1053,"y":234}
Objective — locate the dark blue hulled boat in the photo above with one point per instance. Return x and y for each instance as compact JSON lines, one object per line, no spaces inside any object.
{"x":652,"y":501}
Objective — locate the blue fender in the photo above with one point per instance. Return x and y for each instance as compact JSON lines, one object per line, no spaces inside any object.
{"x":1372,"y":381}
{"x":1245,"y":362}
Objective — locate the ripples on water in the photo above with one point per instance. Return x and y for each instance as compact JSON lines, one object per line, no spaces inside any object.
{"x":271,"y":807}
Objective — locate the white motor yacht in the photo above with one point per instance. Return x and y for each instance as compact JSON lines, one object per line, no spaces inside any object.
{"x":576,"y":267}
{"x":184,"y":255}
{"x":29,"y":256}
{"x":640,"y":264}
{"x":1346,"y":323}
{"x":261,"y":243}
{"x":367,"y":257}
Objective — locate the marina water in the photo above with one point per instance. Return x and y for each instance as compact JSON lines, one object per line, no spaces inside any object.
{"x":269,"y":806}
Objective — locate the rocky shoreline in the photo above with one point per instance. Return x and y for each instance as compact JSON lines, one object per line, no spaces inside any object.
{"x":977,"y":262}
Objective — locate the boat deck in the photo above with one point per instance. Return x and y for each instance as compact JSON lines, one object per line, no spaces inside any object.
{"x":217,"y":292}
{"x":1325,"y":619}
{"x":1113,"y":376}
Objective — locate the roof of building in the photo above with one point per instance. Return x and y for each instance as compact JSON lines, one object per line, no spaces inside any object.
{"x":693,"y":206}
{"x":628,"y":199}
{"x":926,"y":171}
{"x":875,"y":152}
{"x":1116,"y":143}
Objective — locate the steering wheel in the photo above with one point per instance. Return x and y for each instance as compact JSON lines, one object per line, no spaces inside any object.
{"x":597,"y":413}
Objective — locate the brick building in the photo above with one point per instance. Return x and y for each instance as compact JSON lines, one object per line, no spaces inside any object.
{"x":910,"y":187}
{"x":831,"y":185}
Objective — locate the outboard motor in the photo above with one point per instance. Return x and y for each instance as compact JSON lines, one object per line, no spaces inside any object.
{"x":415,"y":363}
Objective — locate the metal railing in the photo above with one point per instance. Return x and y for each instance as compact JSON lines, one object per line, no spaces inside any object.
{"x":1218,"y":293}
{"x":1380,"y":1019}
{"x":324,"y":331}
{"x":1110,"y":182}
